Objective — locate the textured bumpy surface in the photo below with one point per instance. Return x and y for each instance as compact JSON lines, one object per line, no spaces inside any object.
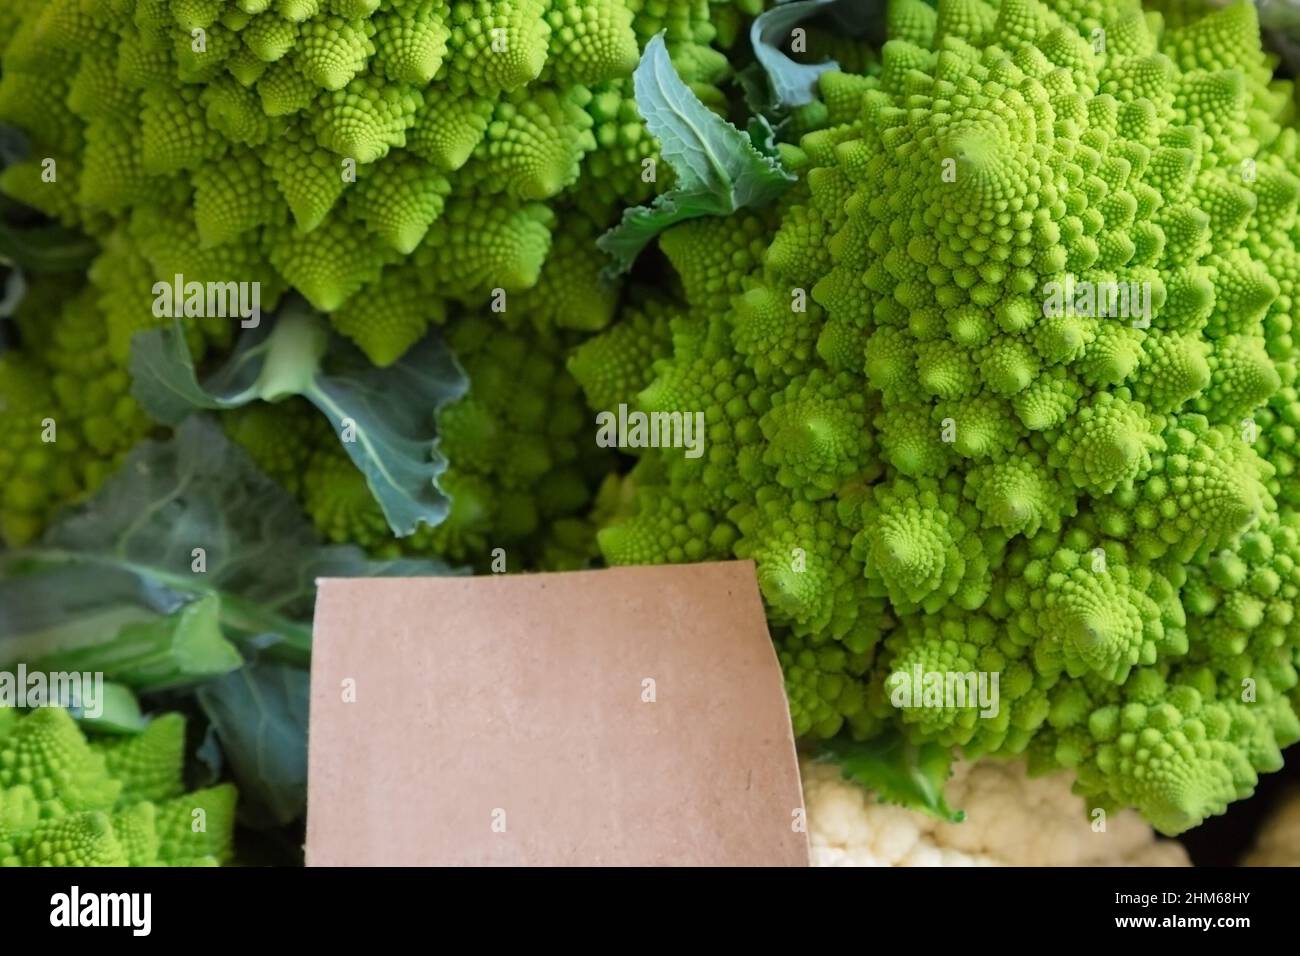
{"x":67,"y":802}
{"x":382,"y":157}
{"x":67,"y":409}
{"x":66,"y":396}
{"x":1012,"y":819}
{"x":936,"y":469}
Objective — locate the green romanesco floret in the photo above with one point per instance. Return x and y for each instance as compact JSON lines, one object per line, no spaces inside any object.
{"x":66,"y":801}
{"x":524,"y":462}
{"x":281,"y":438}
{"x":70,"y":418}
{"x":1005,"y":387}
{"x":613,"y":366}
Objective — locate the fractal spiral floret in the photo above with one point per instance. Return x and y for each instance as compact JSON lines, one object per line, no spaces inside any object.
{"x":1008,"y":387}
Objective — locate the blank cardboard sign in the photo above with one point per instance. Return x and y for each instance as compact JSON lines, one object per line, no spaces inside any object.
{"x":630,"y":716}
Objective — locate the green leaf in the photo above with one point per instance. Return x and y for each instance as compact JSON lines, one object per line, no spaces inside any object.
{"x":792,"y":84}
{"x":259,"y":715}
{"x":716,"y":168}
{"x":390,"y":415}
{"x":165,"y":383}
{"x":153,"y":652}
{"x":119,"y":712}
{"x":128,"y":556}
{"x":763,"y":135}
{"x":384,"y":417}
{"x":209,"y":761}
{"x":898,"y":771}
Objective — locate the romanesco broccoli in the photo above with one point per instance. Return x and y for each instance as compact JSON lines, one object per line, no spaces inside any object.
{"x":946,"y":454}
{"x":121,"y":802}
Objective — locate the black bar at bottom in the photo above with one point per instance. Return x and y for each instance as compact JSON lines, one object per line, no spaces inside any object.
{"x":814,"y":907}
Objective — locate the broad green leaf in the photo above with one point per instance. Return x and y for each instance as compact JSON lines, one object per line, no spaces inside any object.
{"x":183,"y":519}
{"x":384,"y":417}
{"x":259,"y":715}
{"x":792,"y":84}
{"x":716,"y":168}
{"x":389,"y":414}
{"x":166,"y":383}
{"x":897,"y":771}
{"x":153,"y":652}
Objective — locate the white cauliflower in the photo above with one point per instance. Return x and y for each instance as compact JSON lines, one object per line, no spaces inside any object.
{"x":1278,"y":843}
{"x":1011,"y":820}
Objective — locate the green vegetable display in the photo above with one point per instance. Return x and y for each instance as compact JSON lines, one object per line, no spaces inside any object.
{"x":988,"y":309}
{"x":396,"y":164}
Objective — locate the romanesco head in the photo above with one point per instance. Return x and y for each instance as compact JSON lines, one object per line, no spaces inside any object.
{"x":1011,"y":391}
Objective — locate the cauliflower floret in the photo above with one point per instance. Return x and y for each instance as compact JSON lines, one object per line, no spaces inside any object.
{"x":1011,"y":820}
